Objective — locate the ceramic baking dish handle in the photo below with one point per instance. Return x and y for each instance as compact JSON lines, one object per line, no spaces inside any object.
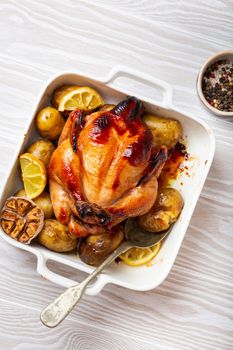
{"x":42,"y":268}
{"x":131,"y":73}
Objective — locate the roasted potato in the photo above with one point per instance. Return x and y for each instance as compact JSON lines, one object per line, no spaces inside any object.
{"x":165,"y":211}
{"x":43,"y":201}
{"x":166,"y":131}
{"x":56,"y":237}
{"x":21,"y":193}
{"x":42,"y":149}
{"x":50,"y":123}
{"x":94,"y":249}
{"x":21,"y":219}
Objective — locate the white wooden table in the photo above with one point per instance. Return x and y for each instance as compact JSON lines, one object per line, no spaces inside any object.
{"x":167,"y":39}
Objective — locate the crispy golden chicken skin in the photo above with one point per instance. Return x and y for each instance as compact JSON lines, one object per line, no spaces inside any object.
{"x":105,"y":168}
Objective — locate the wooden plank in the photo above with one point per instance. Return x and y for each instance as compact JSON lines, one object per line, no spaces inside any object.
{"x":170,"y":40}
{"x":20,"y":329}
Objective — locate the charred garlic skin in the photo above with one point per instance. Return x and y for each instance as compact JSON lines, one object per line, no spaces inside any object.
{"x":21,"y":219}
{"x":43,"y":201}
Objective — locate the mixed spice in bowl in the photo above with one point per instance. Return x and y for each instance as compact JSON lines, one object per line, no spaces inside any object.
{"x":215,"y":83}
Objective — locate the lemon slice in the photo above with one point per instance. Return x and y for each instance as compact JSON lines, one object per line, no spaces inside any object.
{"x":68,"y":98}
{"x":140,"y":256}
{"x":60,"y":93}
{"x":33,"y":175}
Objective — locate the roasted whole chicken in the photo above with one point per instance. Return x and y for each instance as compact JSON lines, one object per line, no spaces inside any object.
{"x":104,"y":169}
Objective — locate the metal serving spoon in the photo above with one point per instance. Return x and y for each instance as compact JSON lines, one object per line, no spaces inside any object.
{"x":54,"y":313}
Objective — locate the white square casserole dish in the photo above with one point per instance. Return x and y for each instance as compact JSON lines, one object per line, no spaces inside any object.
{"x":201,"y":145}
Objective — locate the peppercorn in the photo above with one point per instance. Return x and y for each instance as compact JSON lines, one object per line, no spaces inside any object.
{"x":217,"y":85}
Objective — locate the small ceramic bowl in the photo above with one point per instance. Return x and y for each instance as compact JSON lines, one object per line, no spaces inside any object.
{"x":219,"y":56}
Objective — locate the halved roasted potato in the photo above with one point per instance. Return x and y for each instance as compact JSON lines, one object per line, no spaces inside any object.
{"x":55,"y":236}
{"x":166,"y":131}
{"x":165,"y":211}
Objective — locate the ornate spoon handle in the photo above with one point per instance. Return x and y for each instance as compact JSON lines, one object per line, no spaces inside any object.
{"x":55,"y":313}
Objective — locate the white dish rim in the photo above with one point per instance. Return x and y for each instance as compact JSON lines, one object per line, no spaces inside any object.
{"x":104,"y":279}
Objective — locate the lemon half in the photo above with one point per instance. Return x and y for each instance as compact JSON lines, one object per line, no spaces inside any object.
{"x":140,"y":256}
{"x":33,"y":175}
{"x":68,"y":98}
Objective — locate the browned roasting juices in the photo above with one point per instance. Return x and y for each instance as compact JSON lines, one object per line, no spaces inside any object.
{"x":172,"y":168}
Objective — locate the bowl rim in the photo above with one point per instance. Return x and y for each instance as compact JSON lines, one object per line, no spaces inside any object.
{"x":206,"y":64}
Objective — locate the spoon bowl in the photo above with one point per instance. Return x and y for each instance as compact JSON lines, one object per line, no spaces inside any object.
{"x":141,"y":238}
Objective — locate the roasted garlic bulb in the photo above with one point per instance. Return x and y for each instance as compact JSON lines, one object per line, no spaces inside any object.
{"x":21,"y":219}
